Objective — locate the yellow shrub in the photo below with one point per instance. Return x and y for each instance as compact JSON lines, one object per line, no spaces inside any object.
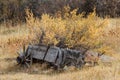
{"x":72,"y":29}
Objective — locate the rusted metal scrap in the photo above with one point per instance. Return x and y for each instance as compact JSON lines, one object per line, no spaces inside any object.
{"x":57,"y":57}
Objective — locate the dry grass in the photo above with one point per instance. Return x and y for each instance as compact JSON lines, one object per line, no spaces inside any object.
{"x":12,"y":39}
{"x":100,"y":72}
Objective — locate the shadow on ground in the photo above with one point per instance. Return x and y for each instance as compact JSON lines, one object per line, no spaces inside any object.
{"x":12,"y":68}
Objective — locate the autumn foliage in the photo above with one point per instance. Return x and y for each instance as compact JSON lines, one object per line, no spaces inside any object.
{"x":14,"y":10}
{"x":72,"y":31}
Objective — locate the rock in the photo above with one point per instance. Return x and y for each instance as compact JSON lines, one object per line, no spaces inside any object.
{"x":106,"y":59}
